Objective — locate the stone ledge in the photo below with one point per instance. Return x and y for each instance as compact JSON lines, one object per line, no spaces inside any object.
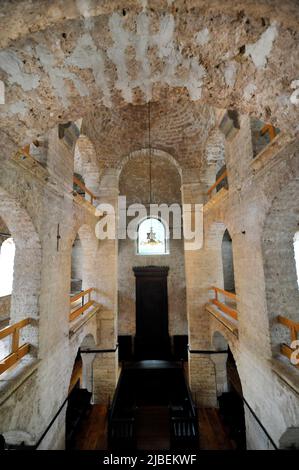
{"x":228,"y":322}
{"x":14,"y":377}
{"x":216,"y":198}
{"x":286,"y":372}
{"x":78,"y":325}
{"x":270,"y":151}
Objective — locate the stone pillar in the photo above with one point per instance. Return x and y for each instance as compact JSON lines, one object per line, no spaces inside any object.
{"x":87,"y":370}
{"x":105,"y":365}
{"x":198,"y":280}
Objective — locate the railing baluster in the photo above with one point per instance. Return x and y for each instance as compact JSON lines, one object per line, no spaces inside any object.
{"x":84,"y":305}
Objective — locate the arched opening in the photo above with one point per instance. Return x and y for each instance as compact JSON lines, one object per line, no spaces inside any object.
{"x":228,"y":263}
{"x":229,"y":392}
{"x":7,"y":255}
{"x":280,"y":258}
{"x":151,"y":238}
{"x":20,"y":270}
{"x":83,"y":272}
{"x":150,"y":179}
{"x":76,"y":266}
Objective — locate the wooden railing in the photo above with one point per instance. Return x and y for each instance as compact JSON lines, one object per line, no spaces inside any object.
{"x":76,"y":312}
{"x":84,"y":189}
{"x":268,"y":128}
{"x":17,"y":351}
{"x":232,"y":312}
{"x":221,"y":178}
{"x":293,"y":327}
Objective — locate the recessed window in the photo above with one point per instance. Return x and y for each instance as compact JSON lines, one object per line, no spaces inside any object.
{"x":296,"y":251}
{"x":151,"y":238}
{"x":7,"y":255}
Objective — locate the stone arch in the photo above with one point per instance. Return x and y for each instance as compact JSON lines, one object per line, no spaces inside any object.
{"x":27,"y":263}
{"x":282,"y":294}
{"x":156,"y":153}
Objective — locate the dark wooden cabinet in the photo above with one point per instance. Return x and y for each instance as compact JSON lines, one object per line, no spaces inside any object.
{"x":152,"y":337}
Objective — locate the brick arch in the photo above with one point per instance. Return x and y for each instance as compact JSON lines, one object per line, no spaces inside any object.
{"x":155,"y":153}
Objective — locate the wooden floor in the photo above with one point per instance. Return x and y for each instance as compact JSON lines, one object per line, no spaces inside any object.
{"x":152,"y":430}
{"x":92,"y":433}
{"x":213,"y":433}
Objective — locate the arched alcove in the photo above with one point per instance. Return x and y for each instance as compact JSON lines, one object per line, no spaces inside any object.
{"x":281,"y":282}
{"x":228,"y":263}
{"x":148,"y":178}
{"x":24,"y":303}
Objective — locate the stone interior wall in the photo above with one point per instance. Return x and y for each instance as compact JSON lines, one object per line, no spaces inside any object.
{"x":134,"y":184}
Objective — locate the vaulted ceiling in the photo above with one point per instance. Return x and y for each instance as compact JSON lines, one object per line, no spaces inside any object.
{"x":62,"y":60}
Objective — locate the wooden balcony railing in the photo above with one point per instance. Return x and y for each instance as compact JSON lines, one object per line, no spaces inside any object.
{"x":77,"y":310}
{"x":85,"y":190}
{"x":17,"y":351}
{"x":218,"y":181}
{"x":293,"y":326}
{"x":268,"y":128}
{"x":232,"y":312}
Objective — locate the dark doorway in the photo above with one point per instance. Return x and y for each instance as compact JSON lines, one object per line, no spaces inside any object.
{"x":152,"y":338}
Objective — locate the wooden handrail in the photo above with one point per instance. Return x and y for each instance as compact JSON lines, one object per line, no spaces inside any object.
{"x":80,"y":310}
{"x":17,"y":352}
{"x":84,"y":188}
{"x":226,"y":293}
{"x":223,"y":307}
{"x":81,"y":294}
{"x":293,"y":327}
{"x":224,"y":175}
{"x":270,"y":129}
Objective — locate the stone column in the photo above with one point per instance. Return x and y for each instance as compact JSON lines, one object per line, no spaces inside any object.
{"x":202,"y":377}
{"x":105,"y":364}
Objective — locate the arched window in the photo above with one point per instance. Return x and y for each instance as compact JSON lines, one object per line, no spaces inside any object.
{"x":296,"y":251}
{"x":7,"y":256}
{"x":151,"y":238}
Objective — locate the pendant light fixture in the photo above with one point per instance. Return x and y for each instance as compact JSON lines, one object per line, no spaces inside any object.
{"x":151,"y":238}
